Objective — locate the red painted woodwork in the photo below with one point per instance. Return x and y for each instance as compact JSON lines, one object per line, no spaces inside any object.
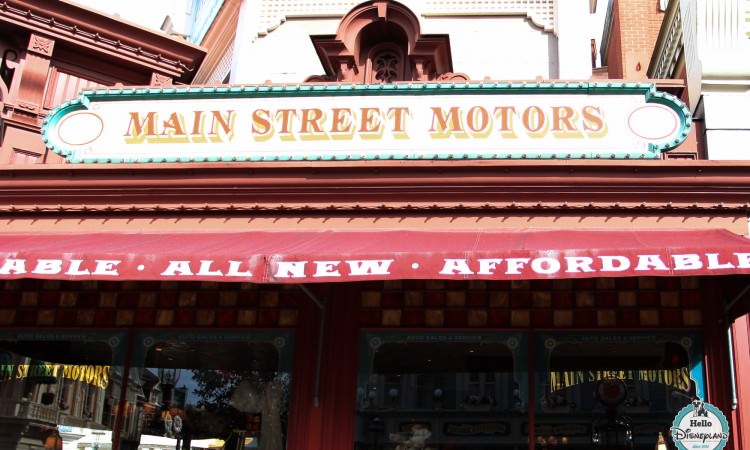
{"x":740,"y":417}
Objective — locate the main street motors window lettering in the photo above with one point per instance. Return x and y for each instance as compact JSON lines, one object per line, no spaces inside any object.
{"x":352,"y":122}
{"x":64,"y":385}
{"x":441,"y":390}
{"x":614,"y":391}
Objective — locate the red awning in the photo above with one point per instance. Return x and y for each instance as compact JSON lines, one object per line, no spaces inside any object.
{"x":338,"y":255}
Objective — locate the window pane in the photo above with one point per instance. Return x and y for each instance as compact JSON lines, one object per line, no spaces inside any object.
{"x":613,"y":391}
{"x":57,"y":387}
{"x":225,"y":389}
{"x":446,"y":391}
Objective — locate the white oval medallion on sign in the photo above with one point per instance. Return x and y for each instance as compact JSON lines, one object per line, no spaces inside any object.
{"x":653,"y":122}
{"x":80,"y":128}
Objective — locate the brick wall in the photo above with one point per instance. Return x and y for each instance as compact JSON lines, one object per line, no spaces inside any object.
{"x":634,"y":31}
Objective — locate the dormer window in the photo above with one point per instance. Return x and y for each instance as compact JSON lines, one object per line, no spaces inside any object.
{"x":380,"y":42}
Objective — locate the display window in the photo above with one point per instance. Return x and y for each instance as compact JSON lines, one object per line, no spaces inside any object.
{"x":616,"y":391}
{"x":557,"y":391}
{"x":60,"y":387}
{"x":441,"y":391}
{"x":213,"y":390}
{"x":163,"y":391}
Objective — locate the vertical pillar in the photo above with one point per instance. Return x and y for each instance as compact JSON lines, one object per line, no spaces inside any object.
{"x":716,"y":345}
{"x":339,"y":375}
{"x":573,"y":39}
{"x":31,"y":87}
{"x":305,"y":415}
{"x":740,"y":420}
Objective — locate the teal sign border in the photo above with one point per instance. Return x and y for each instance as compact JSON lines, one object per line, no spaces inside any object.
{"x":648,"y":90}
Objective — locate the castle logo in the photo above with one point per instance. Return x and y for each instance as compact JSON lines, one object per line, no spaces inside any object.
{"x":700,"y":426}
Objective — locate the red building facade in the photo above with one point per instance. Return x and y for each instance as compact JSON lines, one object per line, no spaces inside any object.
{"x":477,"y":341}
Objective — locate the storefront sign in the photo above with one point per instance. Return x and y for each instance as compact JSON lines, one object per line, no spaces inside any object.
{"x":676,"y":378}
{"x":700,"y":426}
{"x":93,"y":375}
{"x":368,"y":122}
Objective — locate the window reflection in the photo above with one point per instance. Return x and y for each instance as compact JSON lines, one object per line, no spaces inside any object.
{"x":232,"y":395}
{"x":448,"y":391}
{"x":616,"y":392}
{"x":63,"y":390}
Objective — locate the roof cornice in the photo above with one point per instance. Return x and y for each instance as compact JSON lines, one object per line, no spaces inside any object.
{"x":82,"y":27}
{"x":687,"y":186}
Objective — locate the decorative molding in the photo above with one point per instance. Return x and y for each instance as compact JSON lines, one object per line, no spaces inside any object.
{"x":64,"y":26}
{"x":41,"y":45}
{"x":351,"y":58}
{"x":275,"y":12}
{"x":540,"y":12}
{"x":360,"y":208}
{"x":28,"y":107}
{"x":453,"y":77}
{"x":661,"y":187}
{"x":158,"y":79}
{"x":669,"y":46}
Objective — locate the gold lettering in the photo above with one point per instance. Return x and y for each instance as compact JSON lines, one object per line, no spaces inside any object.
{"x":261,"y":127}
{"x":371,"y":123}
{"x":593,"y":122}
{"x":226,"y":124}
{"x":448,"y":124}
{"x":398,"y":114}
{"x":138,"y":129}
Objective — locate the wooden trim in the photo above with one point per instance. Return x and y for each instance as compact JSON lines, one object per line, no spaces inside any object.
{"x":91,"y":31}
{"x":219,"y":39}
{"x":661,"y":186}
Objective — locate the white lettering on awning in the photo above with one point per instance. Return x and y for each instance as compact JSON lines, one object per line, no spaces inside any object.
{"x":713,"y":262}
{"x":290,"y":269}
{"x":545,"y":265}
{"x":234,"y":270}
{"x":12,"y":266}
{"x":455,"y":267}
{"x":579,"y":264}
{"x":181,"y":268}
{"x":205,"y":269}
{"x":614,"y":263}
{"x":370,"y":267}
{"x":687,"y":262}
{"x":48,"y":266}
{"x":327,"y":269}
{"x":650,"y":262}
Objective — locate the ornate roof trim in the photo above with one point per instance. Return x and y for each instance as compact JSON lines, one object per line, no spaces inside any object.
{"x":84,"y":27}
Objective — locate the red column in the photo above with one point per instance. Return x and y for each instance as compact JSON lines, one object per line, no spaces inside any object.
{"x":740,"y":420}
{"x":718,"y":387}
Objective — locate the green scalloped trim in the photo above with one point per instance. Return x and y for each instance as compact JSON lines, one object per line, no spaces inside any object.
{"x":648,"y":90}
